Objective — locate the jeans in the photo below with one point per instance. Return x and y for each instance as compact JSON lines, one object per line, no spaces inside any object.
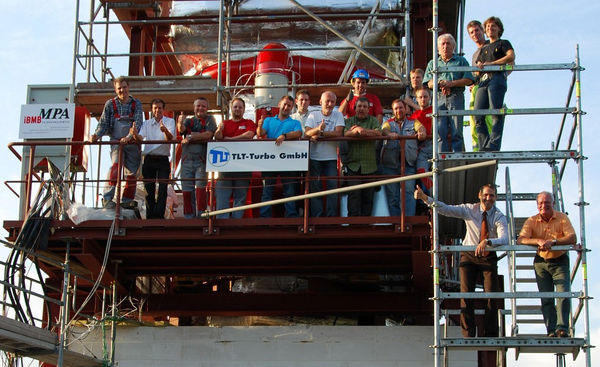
{"x":423,"y":165}
{"x":288,"y":181}
{"x":490,"y":94}
{"x":549,"y":274}
{"x":410,"y":204}
{"x":228,"y":184}
{"x":393,"y":192}
{"x":193,"y":167}
{"x":360,"y":202}
{"x":468,"y":277}
{"x":316,"y":170}
{"x":452,"y":125}
{"x":156,"y":167}
{"x":131,"y":163}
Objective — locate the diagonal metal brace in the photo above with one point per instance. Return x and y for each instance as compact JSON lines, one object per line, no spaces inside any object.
{"x":337,"y":33}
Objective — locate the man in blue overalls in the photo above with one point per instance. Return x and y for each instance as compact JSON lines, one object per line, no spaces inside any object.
{"x":121,"y":120}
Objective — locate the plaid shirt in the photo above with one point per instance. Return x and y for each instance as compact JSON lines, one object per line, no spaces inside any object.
{"x":107,"y":120}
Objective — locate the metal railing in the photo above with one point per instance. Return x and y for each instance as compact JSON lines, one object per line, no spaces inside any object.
{"x":440,"y":345}
{"x":32,"y":180}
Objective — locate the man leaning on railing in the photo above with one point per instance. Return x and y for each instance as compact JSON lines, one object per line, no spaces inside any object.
{"x":325,"y":123}
{"x":281,"y":127}
{"x":546,"y":229}
{"x":486,"y":226}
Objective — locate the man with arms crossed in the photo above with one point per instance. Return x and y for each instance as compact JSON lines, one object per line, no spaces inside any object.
{"x":362,"y":157}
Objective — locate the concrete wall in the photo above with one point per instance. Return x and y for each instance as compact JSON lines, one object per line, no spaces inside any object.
{"x":274,"y":346}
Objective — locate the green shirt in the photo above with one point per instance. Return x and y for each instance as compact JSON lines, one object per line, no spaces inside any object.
{"x":361,"y":154}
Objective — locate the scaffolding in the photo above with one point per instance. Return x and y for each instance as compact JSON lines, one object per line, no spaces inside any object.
{"x":95,"y":90}
{"x":93,"y":59}
{"x":520,"y":342}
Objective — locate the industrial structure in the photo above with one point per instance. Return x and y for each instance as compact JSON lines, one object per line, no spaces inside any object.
{"x":100,"y":276}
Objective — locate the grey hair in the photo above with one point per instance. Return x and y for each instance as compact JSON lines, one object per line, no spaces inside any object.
{"x":448,"y":36}
{"x":546,"y":193}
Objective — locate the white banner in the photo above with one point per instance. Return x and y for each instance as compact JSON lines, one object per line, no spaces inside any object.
{"x":253,"y":156}
{"x":47,"y":121}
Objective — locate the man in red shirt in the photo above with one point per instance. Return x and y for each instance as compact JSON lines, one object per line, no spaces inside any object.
{"x":234,"y":183}
{"x":359,"y":82}
{"x":424,"y":129}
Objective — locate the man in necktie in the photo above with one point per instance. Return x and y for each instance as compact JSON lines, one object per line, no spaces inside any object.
{"x":486,"y":226}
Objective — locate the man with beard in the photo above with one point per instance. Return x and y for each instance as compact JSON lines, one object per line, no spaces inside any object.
{"x":486,"y":226}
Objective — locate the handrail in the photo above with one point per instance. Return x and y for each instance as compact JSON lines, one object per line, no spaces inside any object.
{"x":98,"y":181}
{"x":347,"y":189}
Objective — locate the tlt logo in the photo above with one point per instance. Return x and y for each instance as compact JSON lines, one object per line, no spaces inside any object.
{"x":219,"y":156}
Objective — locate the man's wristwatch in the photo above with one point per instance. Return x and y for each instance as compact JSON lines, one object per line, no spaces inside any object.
{"x":489,"y":243}
{"x":554,"y":242}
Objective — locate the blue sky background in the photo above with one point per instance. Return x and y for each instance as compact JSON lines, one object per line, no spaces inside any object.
{"x":39,"y":46}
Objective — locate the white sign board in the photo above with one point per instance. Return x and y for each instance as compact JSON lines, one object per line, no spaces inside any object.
{"x":252,"y":156}
{"x":47,"y":121}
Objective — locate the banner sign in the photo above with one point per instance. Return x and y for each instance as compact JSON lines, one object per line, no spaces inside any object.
{"x":47,"y":121}
{"x":253,"y":156}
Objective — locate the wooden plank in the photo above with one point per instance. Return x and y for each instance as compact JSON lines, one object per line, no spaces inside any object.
{"x":178,"y":92}
{"x":13,"y":326}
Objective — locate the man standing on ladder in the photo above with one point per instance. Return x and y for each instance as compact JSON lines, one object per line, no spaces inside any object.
{"x":546,"y":229}
{"x":486,"y":226}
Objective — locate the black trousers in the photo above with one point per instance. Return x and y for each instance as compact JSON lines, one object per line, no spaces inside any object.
{"x":360,"y":202}
{"x":156,"y":167}
{"x":469,"y":273}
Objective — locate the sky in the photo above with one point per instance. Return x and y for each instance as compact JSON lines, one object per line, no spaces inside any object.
{"x":39,"y":48}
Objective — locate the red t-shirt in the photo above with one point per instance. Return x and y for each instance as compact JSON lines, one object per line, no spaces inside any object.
{"x":421,"y":116}
{"x":234,"y":128}
{"x":374,"y":106}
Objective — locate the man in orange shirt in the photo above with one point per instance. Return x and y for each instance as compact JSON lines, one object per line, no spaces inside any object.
{"x":544,"y":230}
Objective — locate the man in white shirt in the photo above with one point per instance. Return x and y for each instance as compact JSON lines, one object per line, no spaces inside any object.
{"x":302,"y":102}
{"x":156,"y":159}
{"x":486,"y":226}
{"x":323,"y":124}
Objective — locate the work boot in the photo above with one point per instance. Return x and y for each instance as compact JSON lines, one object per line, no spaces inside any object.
{"x":132,"y":204}
{"x":108,"y":204}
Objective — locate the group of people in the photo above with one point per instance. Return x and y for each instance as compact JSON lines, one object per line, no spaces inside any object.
{"x":359,"y":116}
{"x":487,"y":228}
{"x":122,"y":120}
{"x":487,"y":87}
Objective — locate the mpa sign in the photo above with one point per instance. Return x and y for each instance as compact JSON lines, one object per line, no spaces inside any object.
{"x":47,"y":121}
{"x":262,"y":156}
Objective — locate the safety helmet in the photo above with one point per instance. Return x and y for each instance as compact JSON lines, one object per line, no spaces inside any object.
{"x":361,"y":74}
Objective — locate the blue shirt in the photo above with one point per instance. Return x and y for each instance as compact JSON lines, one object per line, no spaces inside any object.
{"x":274,"y":127}
{"x":455,"y":60}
